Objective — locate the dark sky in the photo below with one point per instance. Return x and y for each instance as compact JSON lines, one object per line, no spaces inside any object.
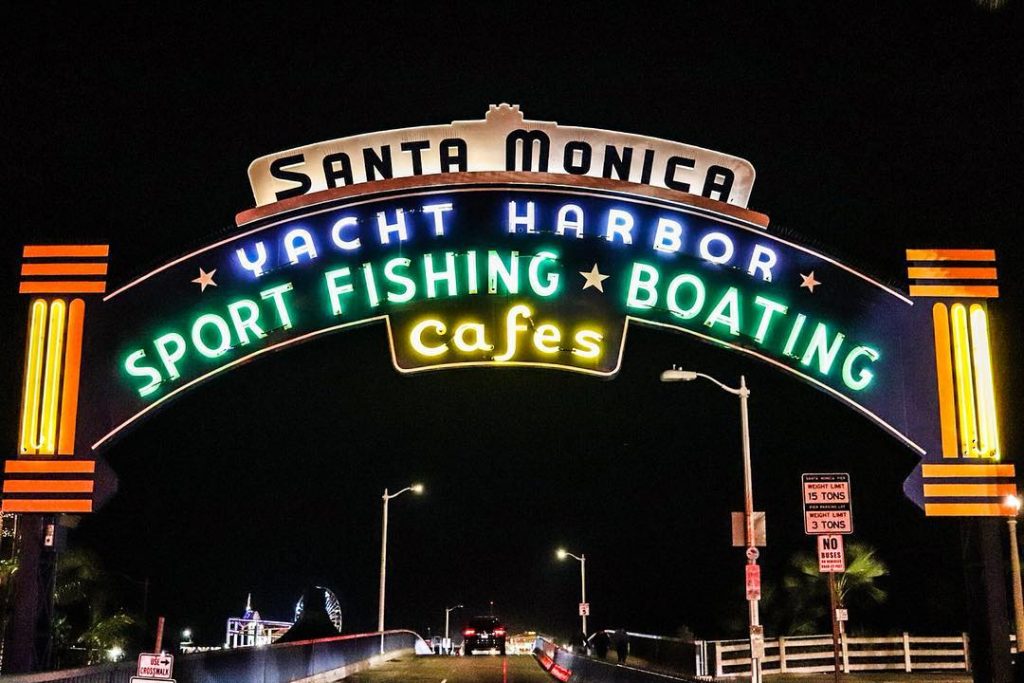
{"x":869,"y":132}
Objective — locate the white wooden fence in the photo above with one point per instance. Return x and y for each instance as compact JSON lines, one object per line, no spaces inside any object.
{"x":813,"y":654}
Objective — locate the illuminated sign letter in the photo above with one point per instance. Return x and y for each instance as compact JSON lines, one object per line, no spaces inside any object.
{"x":863,"y":376}
{"x":643,"y":277}
{"x":536,"y":262}
{"x":479,"y":342}
{"x":567,"y":222}
{"x":433,"y":276}
{"x":721,"y":238}
{"x":588,"y":344}
{"x":770,"y":309}
{"x":385,"y":229}
{"x":407,"y":284}
{"x":132,"y":367}
{"x":338,"y":239}
{"x":546,"y":338}
{"x":512,"y":330}
{"x":277,"y":294}
{"x":762,"y":260}
{"x":170,"y":356}
{"x":416,"y":338}
{"x":222,"y":329}
{"x":821,"y":348}
{"x":726,"y":312}
{"x":698,"y":295}
{"x":515,"y":220}
{"x":335,"y":290}
{"x":243,"y":326}
{"x":668,"y":236}
{"x":619,"y":223}
{"x":254,"y":267}
{"x":438,"y":211}
{"x":509,"y":274}
{"x":305,"y":245}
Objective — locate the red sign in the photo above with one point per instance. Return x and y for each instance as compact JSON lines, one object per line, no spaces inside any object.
{"x":831,"y":555}
{"x":753,"y":582}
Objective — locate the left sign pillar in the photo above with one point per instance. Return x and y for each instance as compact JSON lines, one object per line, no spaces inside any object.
{"x":47,"y":478}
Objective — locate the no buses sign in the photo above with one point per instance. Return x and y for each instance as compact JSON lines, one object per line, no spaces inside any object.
{"x":828,"y":507}
{"x":831,"y":556}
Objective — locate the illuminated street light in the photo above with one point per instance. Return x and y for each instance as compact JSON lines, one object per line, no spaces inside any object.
{"x":582,"y":559}
{"x":417,"y":489}
{"x":186,"y":635}
{"x":447,"y":612}
{"x":115,"y":654}
{"x":677,"y":375}
{"x":1013,"y":503}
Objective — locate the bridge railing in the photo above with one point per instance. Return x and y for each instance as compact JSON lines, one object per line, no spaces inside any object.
{"x":299,"y":661}
{"x":562,"y":665}
{"x":813,"y":654}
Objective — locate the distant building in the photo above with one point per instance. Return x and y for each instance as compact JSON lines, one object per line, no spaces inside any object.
{"x":251,"y":630}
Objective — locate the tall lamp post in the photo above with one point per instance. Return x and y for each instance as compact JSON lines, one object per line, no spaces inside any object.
{"x":677,"y":375}
{"x":1014,"y":505}
{"x":417,"y":489}
{"x":447,"y":612}
{"x":582,"y":559}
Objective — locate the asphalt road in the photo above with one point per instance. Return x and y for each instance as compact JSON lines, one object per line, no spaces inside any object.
{"x":477,"y":669}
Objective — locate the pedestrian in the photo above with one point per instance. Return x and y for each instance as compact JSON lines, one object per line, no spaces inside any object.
{"x":601,"y":643}
{"x":621,"y":645}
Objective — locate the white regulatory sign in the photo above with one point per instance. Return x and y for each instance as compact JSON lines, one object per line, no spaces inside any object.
{"x":831,"y":555}
{"x":828,"y":505}
{"x":584,"y":609}
{"x":155,"y":665}
{"x":143,"y":679}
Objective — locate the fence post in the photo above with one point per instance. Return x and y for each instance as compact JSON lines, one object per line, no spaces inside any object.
{"x":906,"y":652}
{"x":967,"y":653}
{"x":718,"y":660}
{"x":846,"y":652}
{"x":782,"y":654}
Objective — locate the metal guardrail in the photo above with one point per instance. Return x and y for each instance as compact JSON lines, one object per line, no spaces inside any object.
{"x":813,"y":654}
{"x":271,"y":664}
{"x":565,"y":666}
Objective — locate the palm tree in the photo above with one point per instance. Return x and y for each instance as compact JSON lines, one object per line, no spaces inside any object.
{"x":806,"y":608}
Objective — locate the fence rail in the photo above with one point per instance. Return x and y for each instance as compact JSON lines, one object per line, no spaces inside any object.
{"x":813,"y":654}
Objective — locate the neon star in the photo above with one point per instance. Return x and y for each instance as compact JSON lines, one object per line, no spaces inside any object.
{"x":594,"y":278}
{"x":809,"y":282}
{"x":205,"y":279}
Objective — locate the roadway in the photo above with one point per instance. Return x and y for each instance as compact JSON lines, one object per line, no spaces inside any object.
{"x":476,"y":669}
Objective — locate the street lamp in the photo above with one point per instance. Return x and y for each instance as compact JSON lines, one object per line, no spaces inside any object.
{"x":447,"y":612}
{"x":1013,"y":503}
{"x":582,"y":559}
{"x":677,"y":375}
{"x":417,"y":489}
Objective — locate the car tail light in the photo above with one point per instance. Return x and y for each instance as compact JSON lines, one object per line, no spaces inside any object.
{"x":499,"y":631}
{"x":469,"y":632}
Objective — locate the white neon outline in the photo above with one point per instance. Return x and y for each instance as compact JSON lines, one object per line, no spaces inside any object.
{"x":511,"y":187}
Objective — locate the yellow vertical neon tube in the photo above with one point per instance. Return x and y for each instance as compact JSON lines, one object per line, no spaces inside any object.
{"x":964,"y":382}
{"x":988,"y":430}
{"x":51,"y":381}
{"x":33,"y":376}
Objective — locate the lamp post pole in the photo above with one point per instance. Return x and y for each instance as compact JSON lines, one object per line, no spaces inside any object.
{"x":1014,"y":503}
{"x":582,"y":559}
{"x":415,"y":488}
{"x":754,"y":617}
{"x":447,"y":612}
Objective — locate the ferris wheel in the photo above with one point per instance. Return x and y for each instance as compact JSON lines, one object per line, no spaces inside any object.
{"x":326,"y":600}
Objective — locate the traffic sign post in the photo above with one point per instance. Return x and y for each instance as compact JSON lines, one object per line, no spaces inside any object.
{"x":828,"y":506}
{"x":155,"y":666}
{"x":753,"y":582}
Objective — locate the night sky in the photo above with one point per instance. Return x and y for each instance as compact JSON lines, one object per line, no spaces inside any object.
{"x":869,"y":132}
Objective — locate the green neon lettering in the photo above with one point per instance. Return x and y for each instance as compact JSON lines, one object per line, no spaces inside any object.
{"x":277,"y":295}
{"x":471,"y":274}
{"x":770,"y":309}
{"x":794,"y":333}
{"x":407,"y":284}
{"x":509,"y":274}
{"x":863,"y":376}
{"x":726,"y":312}
{"x":170,"y":356}
{"x":335,"y":290}
{"x":371,"y":285}
{"x":672,"y":299}
{"x":539,"y":288}
{"x":244,"y":325}
{"x":133,"y":367}
{"x":821,"y":348}
{"x":434,"y":276}
{"x":223,"y":331}
{"x":642,"y":278}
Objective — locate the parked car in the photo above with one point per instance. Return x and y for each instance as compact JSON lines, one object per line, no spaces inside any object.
{"x":483,"y":633}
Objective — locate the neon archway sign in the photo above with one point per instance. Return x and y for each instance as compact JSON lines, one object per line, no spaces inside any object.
{"x":507,"y":243}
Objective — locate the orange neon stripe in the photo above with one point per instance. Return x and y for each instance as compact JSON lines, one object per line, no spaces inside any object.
{"x":966,"y":510}
{"x":916,"y":273}
{"x":967,"y":291}
{"x":41,"y":250}
{"x":43,"y":505}
{"x":951,"y":254}
{"x":969,"y":490}
{"x":48,"y":486}
{"x":53,"y":466}
{"x":72,"y":372}
{"x":66,"y":287}
{"x":944,"y":374}
{"x":942,"y":471}
{"x":63,"y":268}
